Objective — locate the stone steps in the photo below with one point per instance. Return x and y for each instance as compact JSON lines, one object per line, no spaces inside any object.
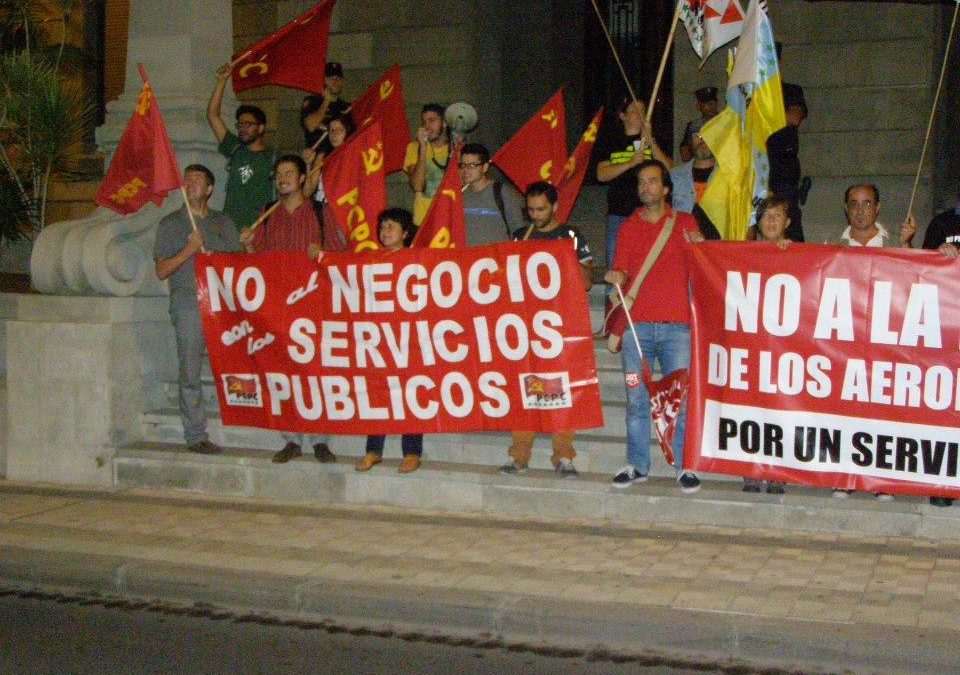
{"x":452,"y":487}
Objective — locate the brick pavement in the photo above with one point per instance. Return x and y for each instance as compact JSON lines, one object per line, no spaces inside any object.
{"x":829,"y":580}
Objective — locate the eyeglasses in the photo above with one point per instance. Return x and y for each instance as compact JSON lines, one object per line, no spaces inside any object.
{"x":865,"y":204}
{"x":470,"y":165}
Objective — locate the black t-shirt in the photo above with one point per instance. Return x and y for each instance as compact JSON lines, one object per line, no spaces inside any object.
{"x":702,"y":175}
{"x":622,"y":199}
{"x":312,"y":104}
{"x":944,"y":228}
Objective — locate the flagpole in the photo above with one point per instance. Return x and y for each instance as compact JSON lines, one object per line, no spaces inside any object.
{"x":193,"y":222}
{"x":663,"y":59}
{"x":933,"y":110}
{"x":633,"y":329}
{"x":613,"y":49}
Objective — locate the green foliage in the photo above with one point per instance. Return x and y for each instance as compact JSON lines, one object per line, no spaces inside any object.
{"x":42,"y":117}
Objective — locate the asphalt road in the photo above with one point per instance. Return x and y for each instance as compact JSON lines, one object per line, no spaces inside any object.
{"x":39,"y":635}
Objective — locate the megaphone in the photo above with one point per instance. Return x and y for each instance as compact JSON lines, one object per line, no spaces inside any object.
{"x":461,"y":117}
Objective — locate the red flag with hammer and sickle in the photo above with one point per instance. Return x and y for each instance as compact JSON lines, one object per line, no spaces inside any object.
{"x":576,"y":169}
{"x":144,"y":168}
{"x":539,"y":150}
{"x":445,"y":225}
{"x":294,"y":56}
{"x":383,"y":102}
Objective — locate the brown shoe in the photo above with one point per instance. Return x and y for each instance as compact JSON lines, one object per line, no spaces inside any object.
{"x":323,"y":454}
{"x":205,"y":448}
{"x":288,"y":452}
{"x":410,"y":463}
{"x":370,"y":460}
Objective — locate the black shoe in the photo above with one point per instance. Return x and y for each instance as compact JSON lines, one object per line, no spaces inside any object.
{"x":288,"y":452}
{"x":751,"y":485}
{"x":941,"y":501}
{"x":689,"y":483}
{"x":627,"y":476}
{"x":205,"y":448}
{"x":775,"y":488}
{"x":323,"y":454}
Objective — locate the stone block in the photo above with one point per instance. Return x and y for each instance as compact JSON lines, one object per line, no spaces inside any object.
{"x":304,"y":481}
{"x":853,"y":153}
{"x":356,"y":51}
{"x":803,"y":23}
{"x":422,"y":490}
{"x":543,"y":499}
{"x":175,"y":473}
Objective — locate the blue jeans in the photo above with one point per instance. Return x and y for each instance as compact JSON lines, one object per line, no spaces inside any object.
{"x":411,"y":444}
{"x":668,"y":343}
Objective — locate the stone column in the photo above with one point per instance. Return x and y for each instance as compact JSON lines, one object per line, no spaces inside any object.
{"x":181,"y":43}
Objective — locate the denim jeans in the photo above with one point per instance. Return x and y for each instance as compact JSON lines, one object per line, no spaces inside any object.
{"x":410,"y":444}
{"x":669,"y":344}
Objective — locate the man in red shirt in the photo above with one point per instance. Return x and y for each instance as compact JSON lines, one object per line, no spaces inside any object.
{"x":293,"y":226}
{"x":661,"y":314}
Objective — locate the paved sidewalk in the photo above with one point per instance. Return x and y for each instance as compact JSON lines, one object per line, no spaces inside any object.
{"x":693,"y":595}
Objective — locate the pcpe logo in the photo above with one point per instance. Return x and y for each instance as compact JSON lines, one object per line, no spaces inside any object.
{"x":243,"y":390}
{"x":546,"y":391}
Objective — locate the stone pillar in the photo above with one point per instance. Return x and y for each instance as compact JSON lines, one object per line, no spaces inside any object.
{"x":181,"y":43}
{"x":79,"y":372}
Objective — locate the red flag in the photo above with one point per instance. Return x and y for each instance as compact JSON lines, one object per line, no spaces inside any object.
{"x":294,"y":56}
{"x":144,"y":168}
{"x":666,"y":399}
{"x":383,"y":101}
{"x":576,"y":169}
{"x":539,"y":150}
{"x":445,"y":225}
{"x":356,"y":187}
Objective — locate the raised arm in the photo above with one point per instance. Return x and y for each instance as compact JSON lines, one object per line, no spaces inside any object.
{"x":214,"y":118}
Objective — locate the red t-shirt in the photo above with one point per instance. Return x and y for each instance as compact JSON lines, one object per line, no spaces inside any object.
{"x":664,"y":296}
{"x":286,"y":231}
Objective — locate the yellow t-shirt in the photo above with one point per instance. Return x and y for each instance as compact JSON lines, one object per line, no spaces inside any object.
{"x":437,"y":159}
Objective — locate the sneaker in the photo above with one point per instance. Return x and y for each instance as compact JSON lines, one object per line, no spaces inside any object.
{"x":323,"y":454}
{"x":566,"y":469}
{"x":775,"y":488}
{"x":751,"y":485}
{"x":841,"y":494}
{"x":883,"y":497}
{"x":370,"y":460}
{"x":205,"y":448}
{"x":513,"y":468}
{"x":941,"y":501}
{"x":410,"y":463}
{"x":288,"y":452}
{"x":689,"y":483}
{"x":627,"y":476}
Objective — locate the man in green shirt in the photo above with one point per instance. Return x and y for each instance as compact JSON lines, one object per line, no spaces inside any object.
{"x":249,"y":162}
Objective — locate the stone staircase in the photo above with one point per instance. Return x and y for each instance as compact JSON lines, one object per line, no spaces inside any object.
{"x":459,"y":475}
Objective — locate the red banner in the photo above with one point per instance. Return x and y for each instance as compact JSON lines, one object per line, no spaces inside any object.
{"x":445,"y":225}
{"x":144,"y":168}
{"x":539,"y":150}
{"x":412,"y":341}
{"x":576,"y":169}
{"x":826,"y":366}
{"x":294,"y":56}
{"x":383,"y":102}
{"x":356,"y":187}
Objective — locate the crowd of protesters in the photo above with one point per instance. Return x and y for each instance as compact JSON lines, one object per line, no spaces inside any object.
{"x":653,"y":214}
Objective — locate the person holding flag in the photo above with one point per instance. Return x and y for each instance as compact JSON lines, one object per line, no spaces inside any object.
{"x":654,"y":240}
{"x":316,"y":112}
{"x":174,"y":254}
{"x":541,"y":200}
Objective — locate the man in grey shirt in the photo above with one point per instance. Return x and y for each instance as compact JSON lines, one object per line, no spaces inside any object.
{"x":174,"y":254}
{"x":493,"y":209}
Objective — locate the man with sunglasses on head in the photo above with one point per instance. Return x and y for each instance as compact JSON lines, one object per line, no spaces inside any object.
{"x":493,"y":208}
{"x":249,"y":162}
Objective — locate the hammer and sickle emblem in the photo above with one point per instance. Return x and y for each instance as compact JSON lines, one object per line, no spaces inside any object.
{"x":143,"y":101}
{"x":452,"y":194}
{"x":386,"y":88}
{"x":590,"y":135}
{"x":259,"y":65}
{"x":545,"y":169}
{"x":551,"y":118}
{"x":571,"y":165}
{"x":373,"y":159}
{"x":536,"y":387}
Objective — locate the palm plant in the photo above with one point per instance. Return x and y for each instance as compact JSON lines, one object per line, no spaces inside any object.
{"x":42,"y":114}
